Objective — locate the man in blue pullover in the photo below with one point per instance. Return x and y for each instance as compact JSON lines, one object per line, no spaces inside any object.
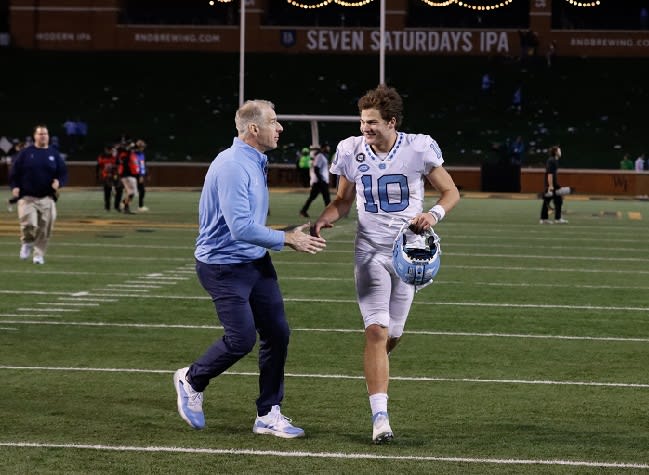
{"x":235,"y":268}
{"x":35,"y":178}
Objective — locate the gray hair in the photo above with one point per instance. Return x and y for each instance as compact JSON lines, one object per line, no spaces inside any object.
{"x":251,"y":112}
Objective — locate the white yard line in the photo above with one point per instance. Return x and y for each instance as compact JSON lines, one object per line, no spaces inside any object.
{"x":345,"y":377}
{"x":328,"y":455}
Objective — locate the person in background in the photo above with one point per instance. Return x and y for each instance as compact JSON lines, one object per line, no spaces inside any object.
{"x":517,"y":149}
{"x":626,"y":163}
{"x":640,"y":163}
{"x":326,"y":149}
{"x":304,"y":167}
{"x":550,"y":186}
{"x":384,"y":171}
{"x":128,"y":172}
{"x":35,"y":178}
{"x":107,"y":173}
{"x":234,"y":266}
{"x":70,"y":139}
{"x":319,"y":179}
{"x":140,"y":145}
{"x":487,"y":84}
{"x":82,"y":133}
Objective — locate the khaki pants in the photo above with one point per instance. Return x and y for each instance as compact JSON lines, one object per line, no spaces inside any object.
{"x":130,"y":185}
{"x":36,"y":217}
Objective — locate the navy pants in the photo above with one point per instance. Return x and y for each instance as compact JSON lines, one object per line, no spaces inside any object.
{"x":248,"y":301}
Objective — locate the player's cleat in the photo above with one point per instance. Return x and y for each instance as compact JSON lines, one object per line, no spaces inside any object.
{"x":304,"y":214}
{"x":190,"y":402}
{"x":274,"y":423}
{"x":25,"y":251}
{"x":381,"y":431}
{"x":545,"y":221}
{"x":142,"y":209}
{"x":38,"y":260}
{"x":561,"y":221}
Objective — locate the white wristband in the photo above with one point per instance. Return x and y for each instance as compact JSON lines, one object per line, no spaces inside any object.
{"x":438,"y":212}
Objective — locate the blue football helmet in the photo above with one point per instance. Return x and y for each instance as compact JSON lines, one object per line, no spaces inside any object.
{"x":416,"y":262}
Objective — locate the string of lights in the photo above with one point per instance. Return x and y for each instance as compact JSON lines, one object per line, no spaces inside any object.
{"x":323,"y":3}
{"x":430,"y":3}
{"x":485,"y":7}
{"x":584,"y":4}
{"x":353,"y":4}
{"x":446,"y":3}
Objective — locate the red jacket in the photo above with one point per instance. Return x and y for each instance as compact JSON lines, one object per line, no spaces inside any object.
{"x":106,"y":164}
{"x":128,"y":165}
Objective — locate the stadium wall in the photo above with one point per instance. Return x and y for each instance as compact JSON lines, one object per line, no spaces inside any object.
{"x":596,"y":182}
{"x":78,"y":25}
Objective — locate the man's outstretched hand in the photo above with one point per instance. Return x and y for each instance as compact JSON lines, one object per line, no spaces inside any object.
{"x":298,"y":240}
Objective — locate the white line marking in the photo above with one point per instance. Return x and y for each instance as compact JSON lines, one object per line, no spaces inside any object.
{"x":551,"y":256}
{"x":129,"y":289}
{"x":103,"y":324}
{"x":80,"y":294}
{"x":345,"y":376}
{"x":144,"y":283}
{"x":130,"y":286}
{"x":51,"y":309}
{"x":33,"y":292}
{"x":77,"y":299}
{"x":482,"y":335}
{"x":607,"y":270}
{"x":125,"y":294}
{"x":328,"y":455}
{"x":538,"y":284}
{"x":335,"y":330}
{"x":279,"y":262}
{"x":74,"y":304}
{"x":486,"y":304}
{"x":23,"y":315}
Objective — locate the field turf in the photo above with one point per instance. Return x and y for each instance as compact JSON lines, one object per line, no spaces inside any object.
{"x":528,"y":355}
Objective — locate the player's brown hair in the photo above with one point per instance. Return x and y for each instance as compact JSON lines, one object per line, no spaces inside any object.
{"x":384,"y":99}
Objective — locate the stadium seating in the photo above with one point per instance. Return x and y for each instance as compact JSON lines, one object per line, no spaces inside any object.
{"x":183,"y":104}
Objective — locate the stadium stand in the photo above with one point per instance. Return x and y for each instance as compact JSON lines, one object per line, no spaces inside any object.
{"x":182,"y":103}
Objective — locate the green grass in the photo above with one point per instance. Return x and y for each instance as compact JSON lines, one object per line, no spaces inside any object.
{"x":527,"y":355}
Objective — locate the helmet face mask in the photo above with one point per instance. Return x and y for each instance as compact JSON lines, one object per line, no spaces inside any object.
{"x":416,"y":258}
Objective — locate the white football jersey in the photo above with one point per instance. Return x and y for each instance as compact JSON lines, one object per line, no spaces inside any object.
{"x":389,"y":190}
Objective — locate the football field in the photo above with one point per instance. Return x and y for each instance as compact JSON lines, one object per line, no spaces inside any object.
{"x":529,"y":354}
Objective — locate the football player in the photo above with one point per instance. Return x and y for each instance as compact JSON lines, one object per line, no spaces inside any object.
{"x":384,"y":171}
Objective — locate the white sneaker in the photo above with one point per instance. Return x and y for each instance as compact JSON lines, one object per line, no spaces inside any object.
{"x":143,"y":209}
{"x":38,"y":260}
{"x":545,"y":221}
{"x":25,"y":251}
{"x":381,"y":431}
{"x":190,"y":402}
{"x":274,"y":423}
{"x":561,"y":221}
